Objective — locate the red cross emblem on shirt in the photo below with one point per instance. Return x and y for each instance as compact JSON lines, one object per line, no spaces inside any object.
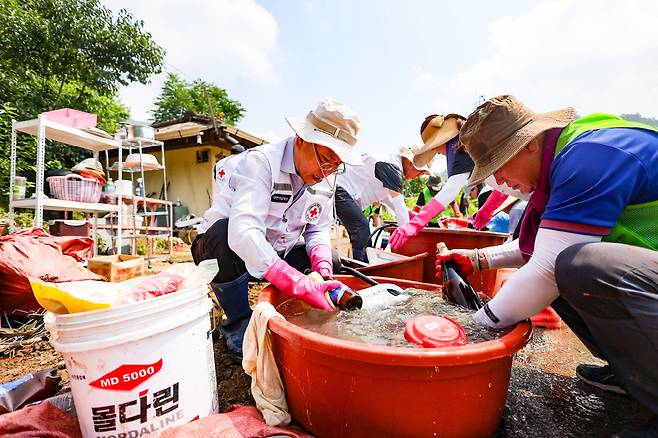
{"x":313,"y":212}
{"x":221,"y":173}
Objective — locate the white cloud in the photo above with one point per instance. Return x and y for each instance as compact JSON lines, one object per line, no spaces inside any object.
{"x":593,"y":55}
{"x":218,"y":41}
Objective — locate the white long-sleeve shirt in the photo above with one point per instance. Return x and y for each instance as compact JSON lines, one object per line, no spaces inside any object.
{"x":532,"y":288}
{"x":269,"y":207}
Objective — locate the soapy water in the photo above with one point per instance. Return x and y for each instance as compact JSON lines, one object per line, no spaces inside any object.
{"x":385,"y":325}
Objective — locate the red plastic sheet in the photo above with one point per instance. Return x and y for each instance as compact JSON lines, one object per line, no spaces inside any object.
{"x":80,"y":248}
{"x":35,"y":253}
{"x":39,"y":421}
{"x":237,"y":422}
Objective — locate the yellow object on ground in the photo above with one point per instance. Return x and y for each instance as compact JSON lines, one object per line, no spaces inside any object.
{"x":59,"y":301}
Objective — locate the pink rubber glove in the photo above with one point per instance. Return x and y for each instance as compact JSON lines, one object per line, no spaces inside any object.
{"x":321,"y":263}
{"x":297,"y":285}
{"x":429,"y":212}
{"x":412,"y":214}
{"x":485,"y":213}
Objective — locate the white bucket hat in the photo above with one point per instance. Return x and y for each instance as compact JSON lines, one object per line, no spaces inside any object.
{"x":332,"y":124}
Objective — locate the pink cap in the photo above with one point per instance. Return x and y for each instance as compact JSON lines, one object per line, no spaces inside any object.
{"x":432,"y":331}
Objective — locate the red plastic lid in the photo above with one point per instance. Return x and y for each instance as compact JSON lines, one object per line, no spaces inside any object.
{"x":434,"y":331}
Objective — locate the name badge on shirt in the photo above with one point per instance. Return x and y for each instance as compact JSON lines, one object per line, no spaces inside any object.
{"x":282,"y":193}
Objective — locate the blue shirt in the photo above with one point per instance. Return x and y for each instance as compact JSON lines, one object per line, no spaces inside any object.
{"x":458,"y":161}
{"x":597,"y":175}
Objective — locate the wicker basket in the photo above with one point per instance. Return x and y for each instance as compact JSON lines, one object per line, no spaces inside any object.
{"x":75,"y":188}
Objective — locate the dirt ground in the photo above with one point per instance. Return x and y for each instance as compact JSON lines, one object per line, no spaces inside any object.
{"x":545,"y":398}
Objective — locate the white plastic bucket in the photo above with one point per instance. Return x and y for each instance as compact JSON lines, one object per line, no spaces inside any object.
{"x":141,"y":367}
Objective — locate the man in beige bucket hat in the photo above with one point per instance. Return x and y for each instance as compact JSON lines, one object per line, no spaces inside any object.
{"x":588,"y":242}
{"x":275,"y":194}
{"x":440,"y":136}
{"x":380,"y":179}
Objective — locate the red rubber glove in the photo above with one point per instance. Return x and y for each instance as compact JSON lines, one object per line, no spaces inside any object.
{"x":485,"y":213}
{"x":321,"y":263}
{"x":429,"y":212}
{"x":466,"y":260}
{"x":297,"y":285}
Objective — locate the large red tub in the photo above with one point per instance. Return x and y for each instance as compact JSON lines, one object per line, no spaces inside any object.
{"x":338,"y":388}
{"x":410,"y":268}
{"x":427,"y":239}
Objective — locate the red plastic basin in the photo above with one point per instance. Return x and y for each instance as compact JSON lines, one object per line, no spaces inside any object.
{"x":338,"y":388}
{"x":427,"y":239}
{"x":410,"y":268}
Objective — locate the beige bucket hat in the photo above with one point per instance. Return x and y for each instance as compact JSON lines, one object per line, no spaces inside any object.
{"x":407,"y":153}
{"x":439,"y":130}
{"x":502,"y":126}
{"x":331,"y":124}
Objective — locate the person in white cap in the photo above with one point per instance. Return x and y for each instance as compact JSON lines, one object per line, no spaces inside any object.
{"x":276,"y":194}
{"x":380,"y":180}
{"x":440,"y":135}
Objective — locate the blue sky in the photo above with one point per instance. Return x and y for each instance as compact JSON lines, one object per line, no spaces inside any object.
{"x":394,"y":62}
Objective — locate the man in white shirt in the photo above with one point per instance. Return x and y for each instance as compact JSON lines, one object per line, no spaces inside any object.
{"x":378,"y":180}
{"x":276,"y":194}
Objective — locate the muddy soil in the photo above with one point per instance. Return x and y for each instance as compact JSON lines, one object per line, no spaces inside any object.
{"x":545,"y":399}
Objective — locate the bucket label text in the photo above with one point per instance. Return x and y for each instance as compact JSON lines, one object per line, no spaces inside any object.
{"x":127,"y":377}
{"x":163,"y":402}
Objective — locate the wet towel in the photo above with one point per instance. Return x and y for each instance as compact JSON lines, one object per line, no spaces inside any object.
{"x":258,"y":362}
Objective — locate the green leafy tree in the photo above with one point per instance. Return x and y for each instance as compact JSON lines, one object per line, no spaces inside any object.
{"x":413,"y":187}
{"x":67,"y":53}
{"x":178,"y":97}
{"x":26,"y":151}
{"x":46,"y":45}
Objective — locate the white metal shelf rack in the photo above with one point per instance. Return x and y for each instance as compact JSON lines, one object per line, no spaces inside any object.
{"x":138,"y":145}
{"x":44,"y":129}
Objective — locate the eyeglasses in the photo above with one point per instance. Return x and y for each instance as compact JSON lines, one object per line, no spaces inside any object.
{"x":327,"y":167}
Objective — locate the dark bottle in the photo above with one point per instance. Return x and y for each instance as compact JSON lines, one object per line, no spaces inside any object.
{"x":456,"y":287}
{"x":345,"y":298}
